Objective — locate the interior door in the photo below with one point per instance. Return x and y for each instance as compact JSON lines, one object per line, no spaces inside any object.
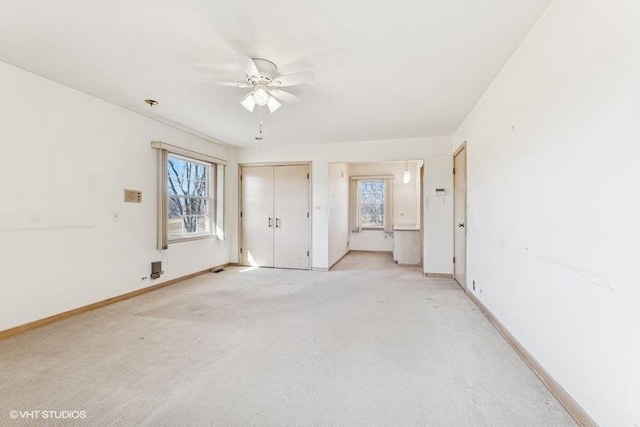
{"x":460,"y":217}
{"x":257,"y":218}
{"x":291,"y":211}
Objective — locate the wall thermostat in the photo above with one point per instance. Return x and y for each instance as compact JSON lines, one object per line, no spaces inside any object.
{"x":132,"y":196}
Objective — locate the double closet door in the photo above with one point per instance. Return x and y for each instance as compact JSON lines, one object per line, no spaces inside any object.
{"x":274,"y":214}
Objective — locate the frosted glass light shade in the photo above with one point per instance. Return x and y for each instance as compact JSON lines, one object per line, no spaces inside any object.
{"x":273,"y":104}
{"x":248,"y":102}
{"x":261,"y":96}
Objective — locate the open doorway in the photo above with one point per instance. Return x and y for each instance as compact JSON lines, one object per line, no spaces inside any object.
{"x":375,"y":210}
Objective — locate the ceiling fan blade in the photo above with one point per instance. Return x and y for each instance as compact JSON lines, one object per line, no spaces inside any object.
{"x":294,"y":79}
{"x":234,"y":84}
{"x":248,"y":66}
{"x":284,"y":96}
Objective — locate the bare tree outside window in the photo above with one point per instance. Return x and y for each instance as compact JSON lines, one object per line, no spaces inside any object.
{"x":189,"y":192}
{"x":372,"y":203}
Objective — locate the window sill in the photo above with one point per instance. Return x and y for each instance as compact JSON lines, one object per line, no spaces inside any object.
{"x":192,"y":238}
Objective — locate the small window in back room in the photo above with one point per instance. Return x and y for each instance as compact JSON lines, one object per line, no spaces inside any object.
{"x":190,"y":198}
{"x":372,"y":203}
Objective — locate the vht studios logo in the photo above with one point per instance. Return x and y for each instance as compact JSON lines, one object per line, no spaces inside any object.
{"x":48,"y":415}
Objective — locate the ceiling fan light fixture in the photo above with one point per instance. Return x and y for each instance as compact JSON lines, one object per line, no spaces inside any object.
{"x":264,"y":82}
{"x":273,"y":104}
{"x":248,"y":102}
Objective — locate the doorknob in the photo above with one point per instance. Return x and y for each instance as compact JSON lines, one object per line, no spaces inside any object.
{"x":269,"y":222}
{"x":461,"y":224}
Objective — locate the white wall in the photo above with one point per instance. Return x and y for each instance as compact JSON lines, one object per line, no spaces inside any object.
{"x":371,"y":240}
{"x":67,"y":239}
{"x":338,"y":176}
{"x":406,"y":203}
{"x":436,"y":152}
{"x":553,"y":239}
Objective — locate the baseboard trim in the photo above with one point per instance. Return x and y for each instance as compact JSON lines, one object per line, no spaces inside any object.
{"x":574,"y":409}
{"x":324,"y":270}
{"x":80,"y":310}
{"x":439,"y":275}
{"x":341,"y":258}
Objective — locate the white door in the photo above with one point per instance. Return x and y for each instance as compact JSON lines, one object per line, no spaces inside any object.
{"x":257,"y":219}
{"x":291,"y":211}
{"x":460,"y":217}
{"x":274,"y":216}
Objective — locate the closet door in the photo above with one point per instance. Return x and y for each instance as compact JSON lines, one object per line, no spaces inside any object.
{"x":257,"y":219}
{"x":291,"y":210}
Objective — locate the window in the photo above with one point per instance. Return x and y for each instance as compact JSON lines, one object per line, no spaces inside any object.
{"x":190,"y":202}
{"x":371,"y":194}
{"x":190,"y":195}
{"x":371,"y":203}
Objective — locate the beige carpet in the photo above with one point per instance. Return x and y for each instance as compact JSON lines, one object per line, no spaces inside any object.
{"x":362,"y":260}
{"x":264,"y":347}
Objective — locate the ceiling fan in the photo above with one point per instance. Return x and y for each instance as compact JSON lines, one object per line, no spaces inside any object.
{"x":265,"y":84}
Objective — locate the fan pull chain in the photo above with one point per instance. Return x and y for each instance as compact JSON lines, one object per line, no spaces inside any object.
{"x":260,"y":137}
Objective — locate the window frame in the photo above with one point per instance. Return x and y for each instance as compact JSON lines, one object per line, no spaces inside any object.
{"x":210,"y":198}
{"x":355,"y":225}
{"x":362,"y":204}
{"x":218,"y":192}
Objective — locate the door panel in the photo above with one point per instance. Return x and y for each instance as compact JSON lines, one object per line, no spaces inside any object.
{"x":460,"y":217}
{"x":291,"y":209}
{"x":257,"y":220}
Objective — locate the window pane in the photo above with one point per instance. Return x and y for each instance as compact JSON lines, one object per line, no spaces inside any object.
{"x":187,"y":178}
{"x":188,"y":215}
{"x":372,"y":204}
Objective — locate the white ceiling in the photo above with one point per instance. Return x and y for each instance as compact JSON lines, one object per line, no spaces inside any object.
{"x":384,"y":69}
